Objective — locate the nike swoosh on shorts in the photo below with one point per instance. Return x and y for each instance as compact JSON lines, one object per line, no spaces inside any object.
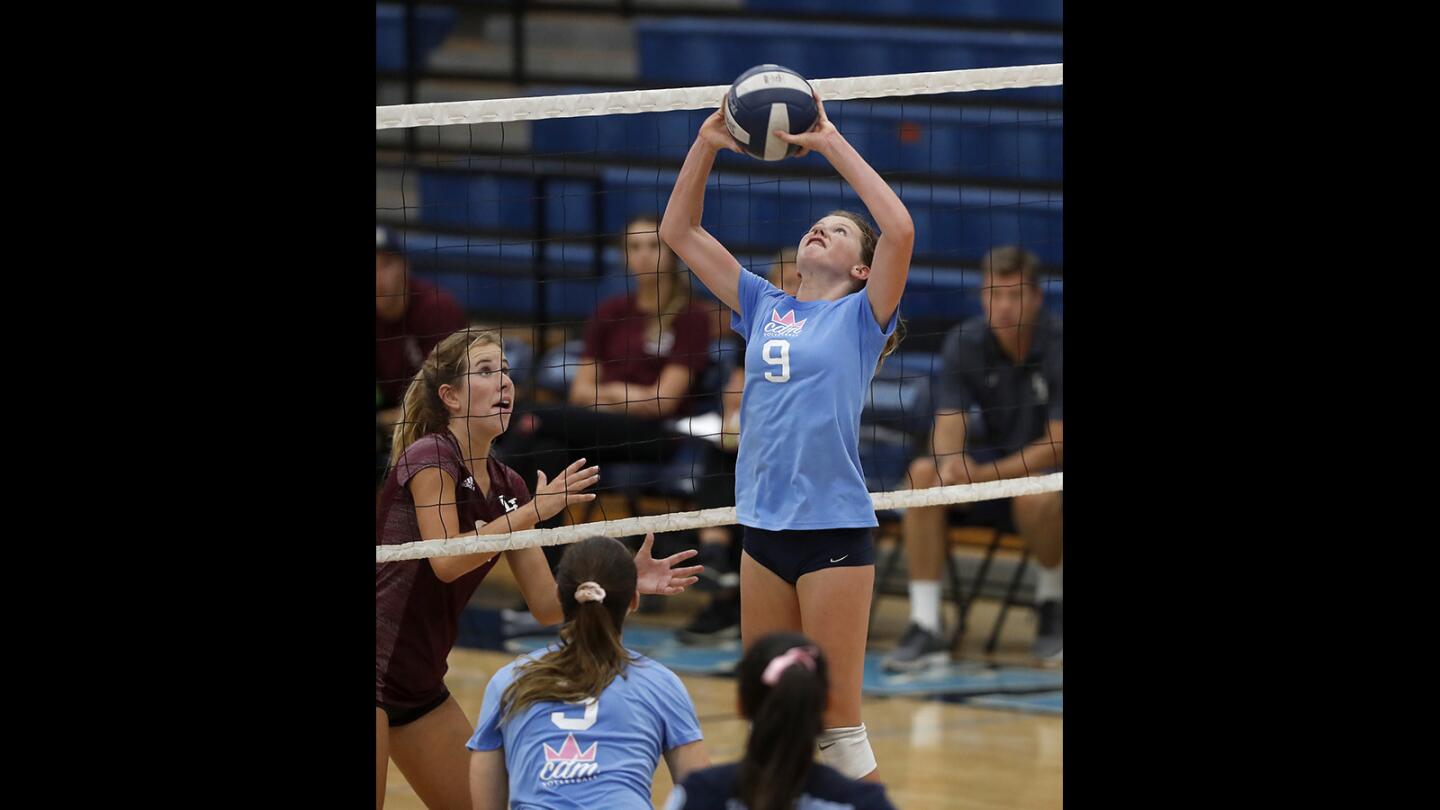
{"x":838,"y":559}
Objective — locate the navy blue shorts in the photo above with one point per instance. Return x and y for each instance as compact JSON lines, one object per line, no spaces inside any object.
{"x":793,"y":553}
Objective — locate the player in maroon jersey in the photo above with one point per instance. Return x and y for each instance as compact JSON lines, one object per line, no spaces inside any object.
{"x":442,"y":483}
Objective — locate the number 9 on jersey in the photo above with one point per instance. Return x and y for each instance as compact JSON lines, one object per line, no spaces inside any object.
{"x":777,"y":353}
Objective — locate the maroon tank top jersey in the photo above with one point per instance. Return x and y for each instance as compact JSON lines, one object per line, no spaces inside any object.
{"x":417,"y":617}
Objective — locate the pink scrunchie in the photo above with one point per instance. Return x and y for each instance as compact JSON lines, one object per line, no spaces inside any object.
{"x":589,"y":592}
{"x":804,"y":656}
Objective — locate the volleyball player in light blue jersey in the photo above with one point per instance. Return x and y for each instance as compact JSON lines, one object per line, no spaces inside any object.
{"x":809,"y":552}
{"x":583,"y":724}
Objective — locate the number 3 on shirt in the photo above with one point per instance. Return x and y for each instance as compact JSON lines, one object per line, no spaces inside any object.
{"x":592,"y":712}
{"x":782,"y":360}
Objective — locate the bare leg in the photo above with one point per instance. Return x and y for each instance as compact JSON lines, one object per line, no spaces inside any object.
{"x":769,"y":604}
{"x":835,"y":609}
{"x":382,"y":756}
{"x":431,"y":753}
{"x":923,"y":527}
{"x":1038,"y":519}
{"x":715,"y":535}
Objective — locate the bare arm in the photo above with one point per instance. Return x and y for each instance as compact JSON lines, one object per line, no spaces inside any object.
{"x":584,"y":388}
{"x":433,"y":492}
{"x":661,"y":399}
{"x":385,"y":419}
{"x":891,"y":265}
{"x":1041,"y":455}
{"x":680,"y":228}
{"x":947,"y":442}
{"x":489,"y":784}
{"x":537,"y":584}
{"x":686,"y":759}
{"x":647,"y":401}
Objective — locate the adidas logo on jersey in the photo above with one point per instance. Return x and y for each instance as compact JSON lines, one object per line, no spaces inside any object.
{"x":785,"y":326}
{"x":468,"y":483}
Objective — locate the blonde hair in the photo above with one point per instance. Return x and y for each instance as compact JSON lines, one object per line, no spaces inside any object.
{"x":868,"y":240}
{"x":666,"y":273}
{"x":422,"y":411}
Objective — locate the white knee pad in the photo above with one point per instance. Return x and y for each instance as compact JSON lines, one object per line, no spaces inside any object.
{"x":847,"y":750}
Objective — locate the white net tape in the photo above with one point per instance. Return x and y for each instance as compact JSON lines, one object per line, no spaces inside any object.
{"x":680,"y":521}
{"x":491,"y":111}
{"x":402,"y":116}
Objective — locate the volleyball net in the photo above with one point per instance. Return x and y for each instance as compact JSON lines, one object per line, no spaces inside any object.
{"x":518,"y":209}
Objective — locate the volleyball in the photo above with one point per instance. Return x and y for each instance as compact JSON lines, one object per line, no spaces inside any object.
{"x":766,"y":98}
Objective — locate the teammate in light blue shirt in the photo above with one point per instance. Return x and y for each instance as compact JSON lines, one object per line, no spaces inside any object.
{"x":583,"y":724}
{"x":809,"y":553}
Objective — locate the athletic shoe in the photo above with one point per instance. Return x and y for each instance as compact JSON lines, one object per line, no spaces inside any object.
{"x":1050,"y":637}
{"x":717,"y":622}
{"x":919,"y":649}
{"x":719,"y":574}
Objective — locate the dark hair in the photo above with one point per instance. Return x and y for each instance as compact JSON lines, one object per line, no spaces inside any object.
{"x":786,"y":717}
{"x":1008,"y":261}
{"x":590,"y":654}
{"x":868,"y":240}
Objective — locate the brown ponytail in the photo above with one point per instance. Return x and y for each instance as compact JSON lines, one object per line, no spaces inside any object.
{"x":868,"y":240}
{"x":590,"y":654}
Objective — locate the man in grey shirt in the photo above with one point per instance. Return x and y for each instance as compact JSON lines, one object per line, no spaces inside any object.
{"x":999,"y":414}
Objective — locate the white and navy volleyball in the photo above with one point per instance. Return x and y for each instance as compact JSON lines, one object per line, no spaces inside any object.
{"x":766,"y":98}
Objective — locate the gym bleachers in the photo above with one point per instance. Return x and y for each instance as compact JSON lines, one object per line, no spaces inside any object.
{"x":950,"y":220}
{"x":1049,"y":12}
{"x":435,"y":23}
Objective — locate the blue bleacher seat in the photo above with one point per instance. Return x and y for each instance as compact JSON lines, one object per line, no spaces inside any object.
{"x":434,"y":24}
{"x":1036,"y":11}
{"x":995,"y":142}
{"x":716,"y":51}
{"x":960,"y":222}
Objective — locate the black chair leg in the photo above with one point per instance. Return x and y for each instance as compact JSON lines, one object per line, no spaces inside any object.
{"x":957,"y":593}
{"x":980,"y":576}
{"x":1009,"y":600}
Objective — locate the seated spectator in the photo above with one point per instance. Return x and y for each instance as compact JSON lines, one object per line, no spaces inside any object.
{"x":999,"y":414}
{"x":411,"y":317}
{"x":584,"y":723}
{"x":643,"y":352}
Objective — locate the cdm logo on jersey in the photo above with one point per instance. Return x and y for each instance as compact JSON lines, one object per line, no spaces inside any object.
{"x":569,"y":764}
{"x":785,"y":326}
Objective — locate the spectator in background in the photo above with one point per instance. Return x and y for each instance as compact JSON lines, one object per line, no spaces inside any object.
{"x":644,"y":350}
{"x":999,"y":414}
{"x":411,"y":317}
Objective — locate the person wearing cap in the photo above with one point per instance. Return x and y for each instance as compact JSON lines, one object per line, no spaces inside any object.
{"x":411,"y":316}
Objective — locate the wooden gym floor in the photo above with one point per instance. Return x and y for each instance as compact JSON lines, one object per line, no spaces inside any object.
{"x":932,"y":754}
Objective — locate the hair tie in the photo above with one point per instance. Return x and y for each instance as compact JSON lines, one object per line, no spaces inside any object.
{"x":804,"y":656}
{"x":589,"y":592}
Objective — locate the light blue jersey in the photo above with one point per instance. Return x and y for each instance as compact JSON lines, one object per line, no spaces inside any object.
{"x":808,"y":366}
{"x":588,"y":756}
